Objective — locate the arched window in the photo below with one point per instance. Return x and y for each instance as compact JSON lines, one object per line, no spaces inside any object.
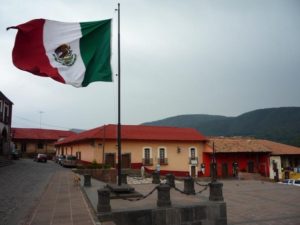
{"x":162,"y":156}
{"x":193,"y":156}
{"x":147,"y":156}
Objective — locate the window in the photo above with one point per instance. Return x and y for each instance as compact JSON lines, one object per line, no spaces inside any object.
{"x":147,"y":157}
{"x":78,"y":155}
{"x":40,"y":145}
{"x":162,"y":157}
{"x":193,"y":153}
{"x":1,"y":111}
{"x":193,"y":156}
{"x":6,"y":114}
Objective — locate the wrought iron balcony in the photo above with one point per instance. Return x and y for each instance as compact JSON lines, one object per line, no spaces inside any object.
{"x":193,"y":160}
{"x":162,"y":161}
{"x":147,"y":161}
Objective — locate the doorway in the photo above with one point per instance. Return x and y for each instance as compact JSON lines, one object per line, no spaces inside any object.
{"x":126,"y":160}
{"x":250,"y":167}
{"x":110,"y":159}
{"x":224,"y":170}
{"x":193,"y":171}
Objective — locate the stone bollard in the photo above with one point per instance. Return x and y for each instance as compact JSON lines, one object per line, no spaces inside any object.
{"x":87,"y":180}
{"x":189,"y":186}
{"x":215,"y":191}
{"x":155,"y":178}
{"x":103,"y":206}
{"x":124,"y":178}
{"x":170,"y":180}
{"x":163,"y":195}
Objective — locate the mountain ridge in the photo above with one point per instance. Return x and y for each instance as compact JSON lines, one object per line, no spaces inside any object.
{"x":280,"y":124}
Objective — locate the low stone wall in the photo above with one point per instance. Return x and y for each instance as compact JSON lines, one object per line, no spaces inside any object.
{"x":105,"y":175}
{"x":208,"y":213}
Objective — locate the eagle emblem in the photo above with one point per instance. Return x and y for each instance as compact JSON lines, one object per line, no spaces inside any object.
{"x":63,"y":54}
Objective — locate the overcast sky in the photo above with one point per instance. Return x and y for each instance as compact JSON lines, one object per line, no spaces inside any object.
{"x":178,"y":57}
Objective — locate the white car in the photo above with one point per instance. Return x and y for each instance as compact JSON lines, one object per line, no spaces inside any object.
{"x":290,"y":182}
{"x":297,"y":183}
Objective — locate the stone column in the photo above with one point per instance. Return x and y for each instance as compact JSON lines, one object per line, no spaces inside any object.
{"x":163,"y":195}
{"x":189,"y":185}
{"x":103,"y":205}
{"x":87,"y":180}
{"x":170,"y":180}
{"x":155,"y":178}
{"x":215,"y":191}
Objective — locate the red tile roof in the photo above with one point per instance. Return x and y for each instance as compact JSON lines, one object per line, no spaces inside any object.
{"x":39,"y":134}
{"x":137,"y":132}
{"x":243,"y":144}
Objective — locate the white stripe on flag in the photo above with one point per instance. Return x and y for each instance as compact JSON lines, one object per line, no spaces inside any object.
{"x":54,"y":35}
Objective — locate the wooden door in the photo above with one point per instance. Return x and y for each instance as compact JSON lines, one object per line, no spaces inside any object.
{"x":126,"y":160}
{"x":193,"y":171}
{"x":250,"y":167}
{"x":224,"y":170}
{"x":110,"y":159}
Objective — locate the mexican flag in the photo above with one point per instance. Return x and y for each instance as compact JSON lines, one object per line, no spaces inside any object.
{"x":71,"y":53}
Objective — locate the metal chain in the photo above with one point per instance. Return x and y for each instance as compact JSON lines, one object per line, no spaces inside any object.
{"x":203,"y":185}
{"x":182,"y":192}
{"x":199,"y":192}
{"x":141,"y":198}
{"x":175,"y":188}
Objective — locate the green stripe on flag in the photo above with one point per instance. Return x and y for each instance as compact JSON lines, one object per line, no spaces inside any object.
{"x":95,"y":49}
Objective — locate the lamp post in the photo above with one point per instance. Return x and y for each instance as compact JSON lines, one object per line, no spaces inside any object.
{"x":40,"y":112}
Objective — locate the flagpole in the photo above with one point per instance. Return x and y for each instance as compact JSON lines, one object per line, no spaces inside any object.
{"x":119,"y":101}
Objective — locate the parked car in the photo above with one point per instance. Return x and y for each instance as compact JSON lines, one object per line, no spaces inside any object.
{"x":41,"y":158}
{"x":290,"y":182}
{"x":297,"y":183}
{"x":70,"y":161}
{"x":15,"y":154}
{"x":60,"y":159}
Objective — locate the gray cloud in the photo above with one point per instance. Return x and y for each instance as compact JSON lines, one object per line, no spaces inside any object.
{"x":178,"y":57}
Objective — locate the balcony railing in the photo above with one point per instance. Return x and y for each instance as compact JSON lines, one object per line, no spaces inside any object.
{"x":147,"y":161}
{"x":193,"y":160}
{"x":162,"y":161}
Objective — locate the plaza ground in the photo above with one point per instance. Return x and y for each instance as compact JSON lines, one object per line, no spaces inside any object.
{"x":37,"y":193}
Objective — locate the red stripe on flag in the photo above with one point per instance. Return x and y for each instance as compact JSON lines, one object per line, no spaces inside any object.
{"x":29,"y":53}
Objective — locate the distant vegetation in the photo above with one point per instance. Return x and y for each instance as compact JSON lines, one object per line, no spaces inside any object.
{"x":277,"y":124}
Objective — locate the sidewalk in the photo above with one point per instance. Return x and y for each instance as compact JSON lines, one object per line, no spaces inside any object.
{"x":62,"y":203}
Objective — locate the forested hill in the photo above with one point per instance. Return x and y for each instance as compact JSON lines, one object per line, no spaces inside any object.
{"x":277,"y":124}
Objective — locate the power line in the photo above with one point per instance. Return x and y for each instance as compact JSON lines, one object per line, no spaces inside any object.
{"x":39,"y":123}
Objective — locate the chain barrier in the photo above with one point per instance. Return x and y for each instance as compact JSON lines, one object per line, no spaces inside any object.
{"x":141,"y":198}
{"x":203,"y":185}
{"x":175,"y":188}
{"x":199,"y":192}
{"x":182,"y":192}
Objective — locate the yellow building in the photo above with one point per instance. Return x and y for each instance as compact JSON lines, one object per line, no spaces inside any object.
{"x":31,"y":141}
{"x":173,"y":150}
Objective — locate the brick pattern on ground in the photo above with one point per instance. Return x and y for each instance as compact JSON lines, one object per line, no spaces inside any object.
{"x":62,"y":203}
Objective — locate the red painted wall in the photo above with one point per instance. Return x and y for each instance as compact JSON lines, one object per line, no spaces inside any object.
{"x":260,"y":162}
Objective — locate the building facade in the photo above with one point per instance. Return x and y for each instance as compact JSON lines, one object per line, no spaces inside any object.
{"x":31,"y":141}
{"x":168,"y":149}
{"x":5,"y":124}
{"x":244,"y":154}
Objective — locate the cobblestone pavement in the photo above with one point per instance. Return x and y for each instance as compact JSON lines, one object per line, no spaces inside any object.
{"x":62,"y":203}
{"x":249,"y":202}
{"x":21,"y":185}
